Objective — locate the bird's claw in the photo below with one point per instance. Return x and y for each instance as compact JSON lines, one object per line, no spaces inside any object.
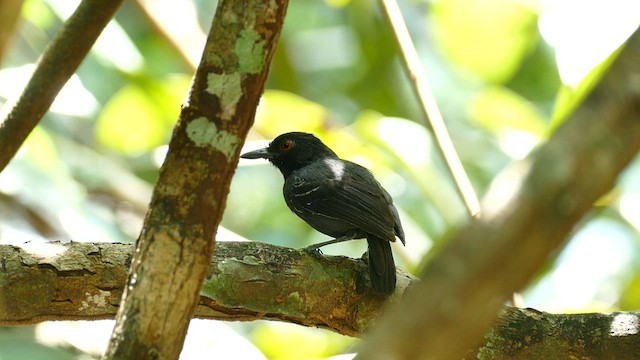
{"x":313,"y":250}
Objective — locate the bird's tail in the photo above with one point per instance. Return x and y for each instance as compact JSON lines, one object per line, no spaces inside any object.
{"x":382,"y":269}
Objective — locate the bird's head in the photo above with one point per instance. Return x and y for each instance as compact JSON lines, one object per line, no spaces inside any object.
{"x":292,"y":151}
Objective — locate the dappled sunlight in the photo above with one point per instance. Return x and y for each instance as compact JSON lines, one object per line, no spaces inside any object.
{"x":409,"y":140}
{"x":74,"y":99}
{"x":629,"y":205}
{"x":585,"y":33}
{"x":202,"y":341}
{"x":518,"y":144}
{"x":625,"y":325}
{"x":43,"y":251}
{"x":286,"y":341}
{"x":127,"y":58}
{"x":159,"y":154}
{"x":225,"y":234}
{"x":599,"y":253}
{"x":180,"y":22}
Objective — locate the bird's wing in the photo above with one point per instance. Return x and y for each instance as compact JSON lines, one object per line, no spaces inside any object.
{"x":346,"y":191}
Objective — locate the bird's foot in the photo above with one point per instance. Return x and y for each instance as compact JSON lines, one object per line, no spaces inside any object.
{"x":313,"y":250}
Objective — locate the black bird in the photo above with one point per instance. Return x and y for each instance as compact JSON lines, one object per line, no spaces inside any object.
{"x":339,"y":198}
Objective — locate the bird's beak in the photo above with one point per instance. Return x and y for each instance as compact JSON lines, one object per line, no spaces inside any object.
{"x":258,"y":154}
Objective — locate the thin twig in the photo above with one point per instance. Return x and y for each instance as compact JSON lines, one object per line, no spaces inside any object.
{"x":56,"y":65}
{"x":429,"y":107}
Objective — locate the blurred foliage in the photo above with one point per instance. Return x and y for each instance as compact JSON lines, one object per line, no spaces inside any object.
{"x":87,"y":172}
{"x":488,"y":38}
{"x":18,"y":344}
{"x":139,"y":117}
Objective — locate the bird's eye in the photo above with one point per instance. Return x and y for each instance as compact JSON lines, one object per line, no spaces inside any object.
{"x":286,"y":145}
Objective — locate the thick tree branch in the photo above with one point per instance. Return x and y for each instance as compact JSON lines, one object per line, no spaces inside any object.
{"x":250,"y":281}
{"x":466,"y":284}
{"x":175,"y":247}
{"x":245,"y":281}
{"x":531,"y":334}
{"x":56,"y":65}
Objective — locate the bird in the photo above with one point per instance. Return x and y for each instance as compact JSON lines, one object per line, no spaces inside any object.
{"x":338,"y":198}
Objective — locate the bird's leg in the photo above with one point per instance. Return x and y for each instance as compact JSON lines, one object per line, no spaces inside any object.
{"x":315,"y":248}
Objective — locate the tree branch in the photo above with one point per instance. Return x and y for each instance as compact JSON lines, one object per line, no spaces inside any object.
{"x":56,"y":65}
{"x":245,"y":281}
{"x":465,"y":285}
{"x":432,"y":117}
{"x":249,"y":281}
{"x":531,"y":334}
{"x":175,"y":247}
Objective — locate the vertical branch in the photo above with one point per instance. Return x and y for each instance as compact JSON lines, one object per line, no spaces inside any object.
{"x":176,"y":244}
{"x":56,"y":65}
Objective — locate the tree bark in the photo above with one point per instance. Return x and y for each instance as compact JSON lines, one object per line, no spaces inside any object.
{"x":522,"y":334}
{"x":466,"y":284}
{"x":249,"y":281}
{"x":245,"y":281}
{"x":176,"y":244}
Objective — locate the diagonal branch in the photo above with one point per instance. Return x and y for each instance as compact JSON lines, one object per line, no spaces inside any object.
{"x":465,"y":285}
{"x":56,"y":65}
{"x":429,"y":107}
